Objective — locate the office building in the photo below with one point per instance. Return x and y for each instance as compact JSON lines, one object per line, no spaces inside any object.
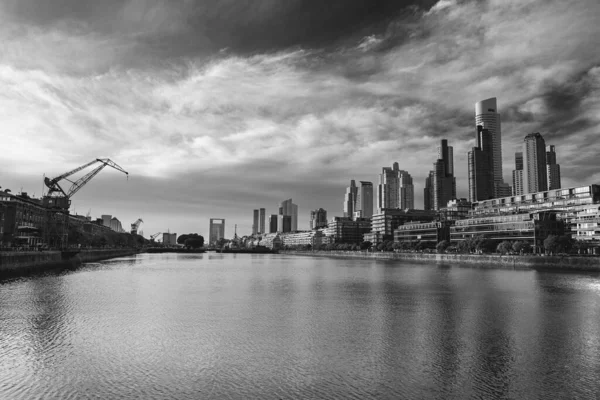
{"x":345,"y":230}
{"x":517,"y":175}
{"x":428,"y":192}
{"x":444,"y":183}
{"x":216,"y":230}
{"x":261,"y":221}
{"x":385,"y":222}
{"x":106,"y":220}
{"x":318,"y":219}
{"x":273,"y":223}
{"x":487,"y":116}
{"x":288,"y":208}
{"x":552,"y":169}
{"x":284,"y":223}
{"x":169,"y":239}
{"x":395,"y":189}
{"x":481,"y":167}
{"x":534,"y":164}
{"x":255,"y":222}
{"x":350,"y":199}
{"x":364,"y":200}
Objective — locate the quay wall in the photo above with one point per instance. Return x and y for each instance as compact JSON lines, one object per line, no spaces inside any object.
{"x":24,"y":262}
{"x":564,"y":263}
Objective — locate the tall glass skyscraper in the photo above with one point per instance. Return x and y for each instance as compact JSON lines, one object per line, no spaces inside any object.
{"x":486,"y":115}
{"x":535,"y":178}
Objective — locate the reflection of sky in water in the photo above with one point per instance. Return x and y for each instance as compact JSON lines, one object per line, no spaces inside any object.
{"x":271,"y":326}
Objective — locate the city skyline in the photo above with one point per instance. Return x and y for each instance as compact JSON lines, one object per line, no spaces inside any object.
{"x":299,"y":113}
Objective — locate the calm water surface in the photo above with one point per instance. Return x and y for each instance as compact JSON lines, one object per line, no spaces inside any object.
{"x":230,"y":326}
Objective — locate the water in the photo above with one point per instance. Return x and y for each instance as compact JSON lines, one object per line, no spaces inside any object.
{"x":215,"y":326}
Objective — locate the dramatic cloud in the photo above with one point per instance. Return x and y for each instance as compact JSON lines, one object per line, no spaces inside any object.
{"x":217,"y":108}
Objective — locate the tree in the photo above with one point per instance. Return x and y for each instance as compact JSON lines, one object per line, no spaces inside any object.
{"x":365,"y":245}
{"x":442,"y":246}
{"x":464,"y":246}
{"x":551,"y":244}
{"x":521,"y":247}
{"x":389,"y":246}
{"x":504,"y":247}
{"x":194,"y":242}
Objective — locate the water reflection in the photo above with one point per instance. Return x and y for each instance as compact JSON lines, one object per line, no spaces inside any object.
{"x":276,"y":326}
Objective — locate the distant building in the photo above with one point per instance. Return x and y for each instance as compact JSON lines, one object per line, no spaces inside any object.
{"x":552,"y":169}
{"x":384,"y":223}
{"x":487,"y":116}
{"x":273,"y":223}
{"x":350,"y":199}
{"x":106,"y":220}
{"x":395,"y":188}
{"x":345,"y":230}
{"x":444,"y":183}
{"x":116,"y":225}
{"x":518,"y":175}
{"x":261,"y":221}
{"x":428,"y":192}
{"x":481,"y":167}
{"x":318,"y":219}
{"x":216,"y":230}
{"x":364,"y":200}
{"x":169,"y":239}
{"x":255,"y":223}
{"x":534,"y":164}
{"x":290,"y":209}
{"x":284,"y":223}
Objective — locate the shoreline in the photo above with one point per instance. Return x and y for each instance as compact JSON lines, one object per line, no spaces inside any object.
{"x":19,"y":264}
{"x":554,"y":263}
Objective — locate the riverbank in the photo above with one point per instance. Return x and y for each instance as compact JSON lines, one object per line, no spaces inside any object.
{"x":562,"y":263}
{"x":173,"y":250}
{"x":23,"y":263}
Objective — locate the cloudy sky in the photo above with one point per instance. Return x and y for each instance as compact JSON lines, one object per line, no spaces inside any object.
{"x":217,"y":107}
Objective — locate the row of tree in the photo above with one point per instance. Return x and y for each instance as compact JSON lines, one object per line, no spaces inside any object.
{"x":191,"y":240}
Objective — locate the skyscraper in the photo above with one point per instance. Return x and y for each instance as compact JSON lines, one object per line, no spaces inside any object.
{"x":487,"y":116}
{"x":481,"y":167}
{"x":272,"y":223}
{"x":444,"y":183}
{"x":395,"y":189}
{"x":318,"y":219}
{"x":552,"y":169}
{"x":255,"y":223}
{"x":350,"y":199}
{"x":216,"y":230}
{"x":284,"y":223}
{"x":535,"y":178}
{"x":261,"y":220}
{"x":288,"y":208}
{"x":517,"y":175}
{"x":364,"y":200}
{"x":428,"y":192}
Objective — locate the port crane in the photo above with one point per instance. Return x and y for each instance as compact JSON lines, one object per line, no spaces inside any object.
{"x":135,"y":226}
{"x":152,"y":237}
{"x":58,"y":200}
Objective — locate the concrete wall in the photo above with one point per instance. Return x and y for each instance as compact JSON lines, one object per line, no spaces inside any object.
{"x":21,"y":263}
{"x":574,"y":263}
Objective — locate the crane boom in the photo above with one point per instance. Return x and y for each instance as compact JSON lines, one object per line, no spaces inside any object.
{"x":136,"y":225}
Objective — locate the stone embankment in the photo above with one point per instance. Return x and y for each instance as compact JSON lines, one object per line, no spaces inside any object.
{"x":22,"y":263}
{"x":563,"y":263}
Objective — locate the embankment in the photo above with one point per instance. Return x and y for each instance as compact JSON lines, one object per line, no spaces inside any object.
{"x":559,"y":263}
{"x":23,"y":263}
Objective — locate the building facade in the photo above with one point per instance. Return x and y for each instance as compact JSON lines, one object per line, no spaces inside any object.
{"x":273,"y":223}
{"x":23,"y":220}
{"x":345,"y":230}
{"x":261,"y":220}
{"x":429,"y":234}
{"x":534,"y":164}
{"x":216,"y":230}
{"x":364,"y":200}
{"x":388,"y":220}
{"x":552,"y":169}
{"x":255,"y":223}
{"x":284,"y":223}
{"x":487,"y":116}
{"x":517,"y":175}
{"x":428,"y":192}
{"x":444,"y":183}
{"x":290,"y":209}
{"x":169,"y":239}
{"x":350,"y":199}
{"x":318,"y":219}
{"x":481,"y":167}
{"x":395,"y":189}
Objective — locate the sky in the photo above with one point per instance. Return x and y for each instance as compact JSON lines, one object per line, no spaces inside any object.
{"x":220,"y":107}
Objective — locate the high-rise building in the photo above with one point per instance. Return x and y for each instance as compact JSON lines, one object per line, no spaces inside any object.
{"x":534,"y":164}
{"x":261,"y":221}
{"x":517,"y":175}
{"x":284,"y":223}
{"x":364,"y":200}
{"x":395,"y":189}
{"x":216,"y":230}
{"x":481,"y":167}
{"x":350,"y":199}
{"x":428,"y":192}
{"x":255,"y":223}
{"x":486,"y":115}
{"x":273,"y":223}
{"x":444,"y":183}
{"x":169,"y":239}
{"x":288,"y":208}
{"x":318,"y":219}
{"x":552,"y":169}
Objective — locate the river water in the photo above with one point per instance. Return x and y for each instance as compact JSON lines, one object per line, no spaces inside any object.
{"x":212,"y":326}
